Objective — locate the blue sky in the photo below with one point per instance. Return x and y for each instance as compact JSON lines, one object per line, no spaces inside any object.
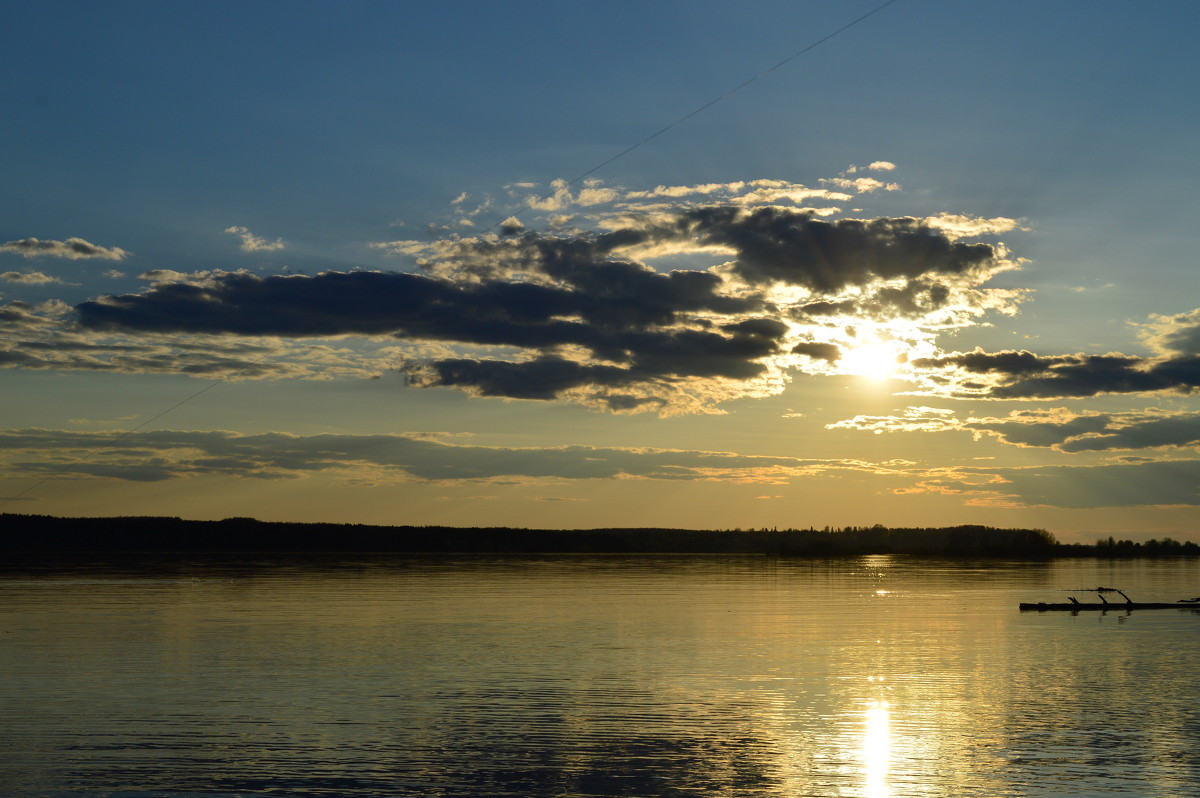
{"x":343,"y":222}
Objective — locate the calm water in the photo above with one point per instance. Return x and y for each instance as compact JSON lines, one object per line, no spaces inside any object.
{"x":598,"y":676}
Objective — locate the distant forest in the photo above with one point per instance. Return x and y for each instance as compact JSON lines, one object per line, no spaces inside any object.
{"x":48,"y":534}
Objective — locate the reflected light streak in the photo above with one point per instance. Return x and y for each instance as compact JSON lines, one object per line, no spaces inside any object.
{"x":876,"y":750}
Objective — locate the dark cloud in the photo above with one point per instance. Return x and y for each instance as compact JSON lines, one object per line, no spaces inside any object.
{"x":828,"y":309}
{"x":819,"y":351}
{"x":1096,"y":432}
{"x":981,"y":362}
{"x":1149,"y":433}
{"x":19,"y":316}
{"x":731,"y":353}
{"x":543,"y":378}
{"x":610,"y":297}
{"x":72,"y":248}
{"x":35,"y":337}
{"x":1144,"y":484}
{"x":1024,"y":375}
{"x":1176,"y":335}
{"x":797,"y":248}
{"x":1021,"y":431}
{"x":633,"y":322}
{"x":588,"y":320}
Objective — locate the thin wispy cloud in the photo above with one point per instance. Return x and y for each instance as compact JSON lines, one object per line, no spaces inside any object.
{"x":29,"y":278}
{"x":71,"y":249}
{"x":1057,"y":428}
{"x":1158,"y":483}
{"x":173,"y":454}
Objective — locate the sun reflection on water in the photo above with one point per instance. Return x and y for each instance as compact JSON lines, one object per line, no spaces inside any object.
{"x":876,"y":749}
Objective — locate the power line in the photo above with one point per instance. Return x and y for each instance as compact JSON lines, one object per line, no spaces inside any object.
{"x":732,"y":91}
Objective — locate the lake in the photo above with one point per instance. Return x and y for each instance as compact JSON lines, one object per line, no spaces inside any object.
{"x":596,"y":676}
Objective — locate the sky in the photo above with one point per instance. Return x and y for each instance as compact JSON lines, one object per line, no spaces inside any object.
{"x":481,"y":264}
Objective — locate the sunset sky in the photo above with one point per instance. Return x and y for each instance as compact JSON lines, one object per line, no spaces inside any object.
{"x":375,"y":263}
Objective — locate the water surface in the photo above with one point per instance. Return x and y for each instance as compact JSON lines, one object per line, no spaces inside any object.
{"x":596,"y":676}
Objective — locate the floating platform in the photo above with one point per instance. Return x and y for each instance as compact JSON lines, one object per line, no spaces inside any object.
{"x":1077,"y":606}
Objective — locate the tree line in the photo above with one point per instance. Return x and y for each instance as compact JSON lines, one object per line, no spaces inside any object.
{"x":42,"y":533}
{"x":158,"y":534}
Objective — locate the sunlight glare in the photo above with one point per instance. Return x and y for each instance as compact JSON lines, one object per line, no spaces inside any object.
{"x":876,"y":360}
{"x":876,"y":749}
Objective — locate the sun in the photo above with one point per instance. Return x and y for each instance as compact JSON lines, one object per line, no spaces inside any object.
{"x":876,"y":360}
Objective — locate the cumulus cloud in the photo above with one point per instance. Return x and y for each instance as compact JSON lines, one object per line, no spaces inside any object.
{"x":672,"y":299}
{"x":863,"y":185}
{"x":874,"y":166}
{"x":791,"y":247}
{"x":591,"y":192}
{"x":860,"y":185}
{"x":511,"y":226}
{"x":593,"y":324}
{"x":72,"y":249}
{"x":168,"y":454}
{"x":1173,"y":336}
{"x":253,"y":243}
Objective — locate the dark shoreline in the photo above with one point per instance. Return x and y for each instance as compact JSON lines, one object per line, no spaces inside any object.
{"x":47,"y":535}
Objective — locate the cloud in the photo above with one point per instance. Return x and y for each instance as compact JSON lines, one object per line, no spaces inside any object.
{"x":1057,"y":428}
{"x":1173,"y":336}
{"x":860,"y":185}
{"x":958,"y":225}
{"x":1020,"y":374}
{"x":1070,"y":432}
{"x":863,"y":185}
{"x":914,"y":419}
{"x":601,"y":204}
{"x":18,"y":317}
{"x":591,"y":323}
{"x":875,"y":166}
{"x":253,"y":243}
{"x":1011,"y":374}
{"x":589,"y":194}
{"x":794,"y":248}
{"x":72,"y":248}
{"x":511,"y":226}
{"x":41,"y":337}
{"x":29,"y":278}
{"x":166,"y":454}
{"x":1159,"y":483}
